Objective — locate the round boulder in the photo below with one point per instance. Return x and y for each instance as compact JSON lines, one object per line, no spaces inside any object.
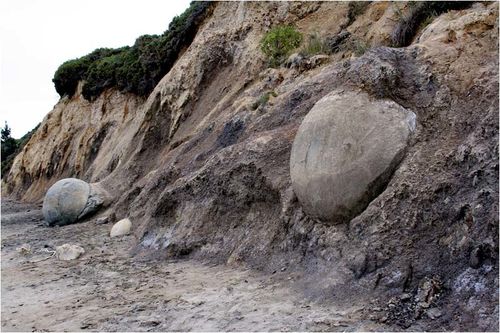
{"x":69,"y":200}
{"x":345,"y":152}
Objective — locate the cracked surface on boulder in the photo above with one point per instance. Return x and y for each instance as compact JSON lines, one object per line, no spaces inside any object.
{"x":345,"y":152}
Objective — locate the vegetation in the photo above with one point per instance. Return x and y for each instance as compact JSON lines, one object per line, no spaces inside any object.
{"x":315,"y":45}
{"x":355,"y":8}
{"x":263,"y":99}
{"x":358,"y":46}
{"x":419,"y":14}
{"x":428,"y":20}
{"x":134,"y":69}
{"x":11,"y":147}
{"x":69,"y":73}
{"x":342,"y":41}
{"x":331,"y":45}
{"x":279,"y":42}
{"x":9,"y":144}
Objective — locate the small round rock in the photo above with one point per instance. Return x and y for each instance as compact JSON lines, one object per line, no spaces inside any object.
{"x":121,"y":228}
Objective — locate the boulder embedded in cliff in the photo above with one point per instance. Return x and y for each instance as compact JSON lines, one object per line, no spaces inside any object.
{"x":69,"y":200}
{"x":345,"y":152}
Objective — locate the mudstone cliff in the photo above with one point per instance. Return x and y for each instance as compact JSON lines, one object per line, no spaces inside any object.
{"x":202,"y":169}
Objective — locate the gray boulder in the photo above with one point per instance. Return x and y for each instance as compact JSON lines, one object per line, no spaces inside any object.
{"x":71,"y":199}
{"x":345,"y":152}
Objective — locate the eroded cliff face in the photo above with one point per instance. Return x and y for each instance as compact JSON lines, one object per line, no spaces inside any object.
{"x":204,"y":173}
{"x":77,"y":138}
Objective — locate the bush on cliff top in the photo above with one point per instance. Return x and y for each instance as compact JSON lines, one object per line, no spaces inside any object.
{"x":134,"y":69}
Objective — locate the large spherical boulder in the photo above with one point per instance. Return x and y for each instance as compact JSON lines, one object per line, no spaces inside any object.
{"x":69,"y":200}
{"x":345,"y":152}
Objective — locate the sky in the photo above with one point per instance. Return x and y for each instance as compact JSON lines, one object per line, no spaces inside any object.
{"x":36,"y":36}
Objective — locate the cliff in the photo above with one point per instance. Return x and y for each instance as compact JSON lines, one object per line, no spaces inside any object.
{"x":202,"y":164}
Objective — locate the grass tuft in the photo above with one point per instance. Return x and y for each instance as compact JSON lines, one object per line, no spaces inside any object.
{"x":263,"y":99}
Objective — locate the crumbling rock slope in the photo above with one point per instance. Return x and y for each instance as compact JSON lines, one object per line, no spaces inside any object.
{"x":203,"y":173}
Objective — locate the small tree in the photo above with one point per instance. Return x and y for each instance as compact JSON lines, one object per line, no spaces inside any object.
{"x":279,"y":42}
{"x":11,"y":147}
{"x":9,"y":144}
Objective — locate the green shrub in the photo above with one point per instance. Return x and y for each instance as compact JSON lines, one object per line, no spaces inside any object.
{"x":134,"y":69}
{"x":279,"y":42}
{"x":11,"y":147}
{"x":69,"y":73}
{"x":263,"y":99}
{"x":9,"y":144}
